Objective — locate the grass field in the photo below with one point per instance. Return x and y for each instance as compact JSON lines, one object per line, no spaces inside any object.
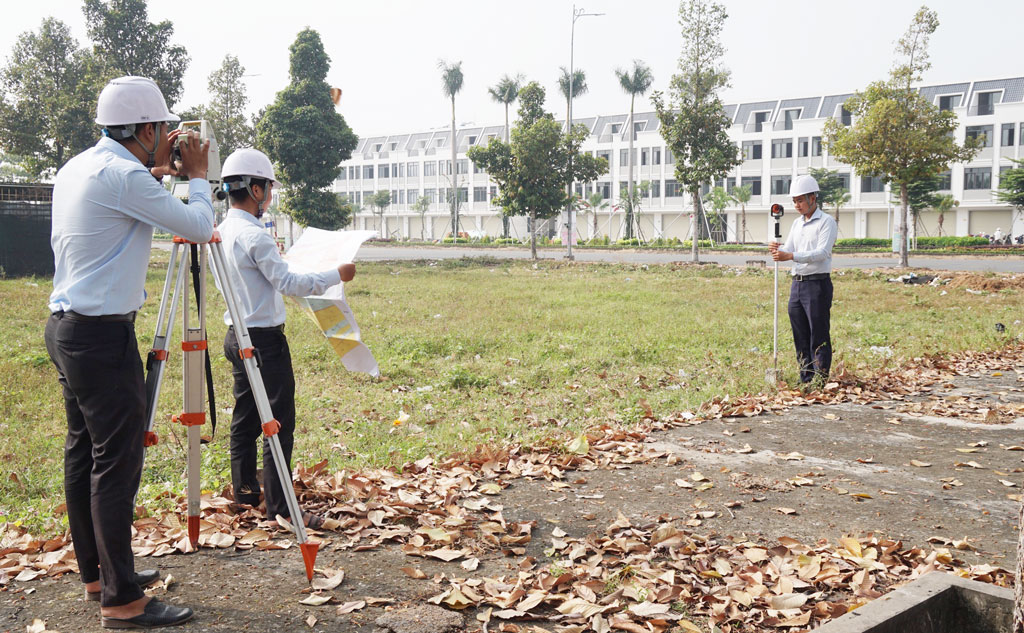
{"x":486,"y":352}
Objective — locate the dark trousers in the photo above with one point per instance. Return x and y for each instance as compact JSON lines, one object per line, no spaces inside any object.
{"x":810,"y":304}
{"x":100,"y":370}
{"x":279,"y":381}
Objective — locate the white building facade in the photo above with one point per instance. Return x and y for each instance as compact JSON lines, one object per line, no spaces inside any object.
{"x":778,"y":139}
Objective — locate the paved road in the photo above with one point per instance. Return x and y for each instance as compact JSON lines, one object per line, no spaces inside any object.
{"x":1007,"y":264}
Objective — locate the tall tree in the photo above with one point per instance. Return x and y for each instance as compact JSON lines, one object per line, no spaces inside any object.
{"x":227,"y":106}
{"x":693,"y":120}
{"x":306,"y":137}
{"x":535,"y":168}
{"x":127,"y":42}
{"x":719,"y":199}
{"x":831,"y":192}
{"x":380,"y":201}
{"x":633,"y":82}
{"x":505,"y":92}
{"x":898,"y":134}
{"x":451,"y":84}
{"x":632,"y":200}
{"x":579,"y":87}
{"x":50,"y":86}
{"x":921,"y":196}
{"x":1011,"y":186}
{"x":741,"y":195}
{"x":595,"y":204}
{"x":421,"y":206}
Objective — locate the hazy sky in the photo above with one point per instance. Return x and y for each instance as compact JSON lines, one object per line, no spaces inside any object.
{"x":384,"y":53}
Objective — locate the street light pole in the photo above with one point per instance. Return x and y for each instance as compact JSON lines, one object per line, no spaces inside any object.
{"x":576,"y":14}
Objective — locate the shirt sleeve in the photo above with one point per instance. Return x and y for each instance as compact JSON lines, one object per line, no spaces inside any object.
{"x":788,"y":247}
{"x":263,"y":251}
{"x":145,"y":199}
{"x":827,"y":233}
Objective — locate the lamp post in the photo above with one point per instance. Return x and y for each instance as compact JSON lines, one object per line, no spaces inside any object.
{"x":576,"y":14}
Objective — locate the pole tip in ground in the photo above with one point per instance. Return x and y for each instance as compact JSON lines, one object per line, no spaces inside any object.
{"x":193,"y":530}
{"x":309,"y":551}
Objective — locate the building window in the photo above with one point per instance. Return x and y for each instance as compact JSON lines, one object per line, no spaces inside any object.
{"x":431,"y":195}
{"x":413,"y":170}
{"x":759,"y":119}
{"x":401,"y":196}
{"x":945,"y":181}
{"x":673,"y":189}
{"x":1006,"y":138}
{"x":871,"y":184}
{"x":790,"y":116}
{"x":377,"y":147}
{"x":344,"y":174}
{"x":624,"y":188}
{"x":986,"y":104}
{"x":400,"y":170}
{"x":462,"y":165}
{"x":754,"y":182}
{"x":357,"y":197}
{"x":412,"y":195}
{"x":353,"y":173}
{"x":624,"y":157}
{"x":605,"y":188}
{"x":780,"y":185}
{"x":981,"y":132}
{"x":477,"y":169}
{"x":1020,"y":137}
{"x":946,"y":102}
{"x":382,"y":171}
{"x":655,"y":188}
{"x":430,"y":168}
{"x":607,"y":155}
{"x":656,"y":154}
{"x":394,"y":146}
{"x":670,"y":158}
{"x":845,"y":117}
{"x":977,"y":178}
{"x":479,"y":194}
{"x":616,"y":128}
{"x":367,"y":172}
{"x":472,"y":140}
{"x":844,"y":180}
{"x":782,"y":148}
{"x":751,"y":150}
{"x":803,"y":146}
{"x":367,"y":196}
{"x":493,"y":191}
{"x":644,"y":156}
{"x":815,"y":146}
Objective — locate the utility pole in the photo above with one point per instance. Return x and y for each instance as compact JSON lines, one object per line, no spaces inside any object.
{"x":576,"y":14}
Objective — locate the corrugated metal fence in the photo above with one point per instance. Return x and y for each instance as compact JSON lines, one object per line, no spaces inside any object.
{"x":25,"y":229}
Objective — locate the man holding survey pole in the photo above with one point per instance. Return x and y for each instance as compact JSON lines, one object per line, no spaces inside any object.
{"x":106,"y":202}
{"x":260,"y":278}
{"x":809,"y":246}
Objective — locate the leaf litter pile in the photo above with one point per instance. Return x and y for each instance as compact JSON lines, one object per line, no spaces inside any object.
{"x":656,"y":576}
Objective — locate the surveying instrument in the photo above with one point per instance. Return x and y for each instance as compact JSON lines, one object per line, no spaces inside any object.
{"x":196,"y":356}
{"x":772,"y":375}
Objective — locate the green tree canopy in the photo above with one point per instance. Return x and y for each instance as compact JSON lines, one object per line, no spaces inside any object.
{"x":306,"y":137}
{"x":831,"y":189}
{"x":1011,"y":186}
{"x":129,"y":44}
{"x":227,"y":106}
{"x":897,"y":133}
{"x":50,"y":91}
{"x":535,"y":168}
{"x":693,"y":119}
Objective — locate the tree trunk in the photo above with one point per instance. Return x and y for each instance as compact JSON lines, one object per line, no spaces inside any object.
{"x":940,"y":223}
{"x":695,"y":256}
{"x":594,"y":234}
{"x":455,"y":183}
{"x":1018,"y":585}
{"x":743,"y":224}
{"x":504,"y":218}
{"x":905,"y":215}
{"x":629,"y":207}
{"x":533,"y":234}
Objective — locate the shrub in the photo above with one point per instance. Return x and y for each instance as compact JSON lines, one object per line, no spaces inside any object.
{"x":948,"y":241}
{"x":863,"y":242}
{"x":506,"y":240}
{"x":700,"y":244}
{"x":449,"y":240}
{"x":632,"y":241}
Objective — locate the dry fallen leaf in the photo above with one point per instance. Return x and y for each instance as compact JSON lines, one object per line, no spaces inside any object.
{"x":316,"y":599}
{"x":329,"y":583}
{"x":412,"y":572}
{"x":349,"y":607}
{"x":785,"y":510}
{"x":919,"y":464}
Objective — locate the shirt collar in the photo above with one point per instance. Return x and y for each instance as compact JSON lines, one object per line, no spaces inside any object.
{"x":242,"y":214}
{"x":814,"y":216}
{"x":110,"y":145}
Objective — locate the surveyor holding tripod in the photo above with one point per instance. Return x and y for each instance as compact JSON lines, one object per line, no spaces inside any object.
{"x":106,"y":202}
{"x":260,"y":277}
{"x":809,"y":246}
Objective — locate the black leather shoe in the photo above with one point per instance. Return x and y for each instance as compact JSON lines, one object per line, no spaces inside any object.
{"x":142,"y":579}
{"x":155,"y":615}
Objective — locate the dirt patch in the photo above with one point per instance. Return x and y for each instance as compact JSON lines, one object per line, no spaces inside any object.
{"x":986,"y":283}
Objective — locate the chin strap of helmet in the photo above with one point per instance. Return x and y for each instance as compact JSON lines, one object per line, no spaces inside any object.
{"x":124,"y":132}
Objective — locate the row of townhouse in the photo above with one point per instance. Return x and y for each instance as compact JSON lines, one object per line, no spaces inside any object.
{"x":778,"y":139}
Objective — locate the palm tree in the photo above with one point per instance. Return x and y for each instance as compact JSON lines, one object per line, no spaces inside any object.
{"x":579,"y":87}
{"x":451,"y":83}
{"x":595,"y":204}
{"x":943,"y":205}
{"x":635,"y":82}
{"x":741,"y":195}
{"x":505,"y":92}
{"x":719,"y":200}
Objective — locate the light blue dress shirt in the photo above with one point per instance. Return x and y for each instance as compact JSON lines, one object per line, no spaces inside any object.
{"x":811,"y":243}
{"x":258,"y":273}
{"x":105,"y":205}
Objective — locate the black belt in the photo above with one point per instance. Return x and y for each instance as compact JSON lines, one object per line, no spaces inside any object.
{"x":273,"y":328}
{"x":813,"y":277}
{"x":71,"y":315}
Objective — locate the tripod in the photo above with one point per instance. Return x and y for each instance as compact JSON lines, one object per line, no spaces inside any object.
{"x":194,"y":347}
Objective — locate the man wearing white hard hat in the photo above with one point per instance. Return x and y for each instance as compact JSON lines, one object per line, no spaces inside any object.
{"x":260,"y":277}
{"x":809,"y":246}
{"x":106,"y":202}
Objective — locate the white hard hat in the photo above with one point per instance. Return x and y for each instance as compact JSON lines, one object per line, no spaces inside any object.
{"x":248,"y":162}
{"x":803,"y":185}
{"x":128,"y":100}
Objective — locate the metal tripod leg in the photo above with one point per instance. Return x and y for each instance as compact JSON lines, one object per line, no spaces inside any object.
{"x":156,"y":362}
{"x":193,"y":416}
{"x":270,"y":425}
